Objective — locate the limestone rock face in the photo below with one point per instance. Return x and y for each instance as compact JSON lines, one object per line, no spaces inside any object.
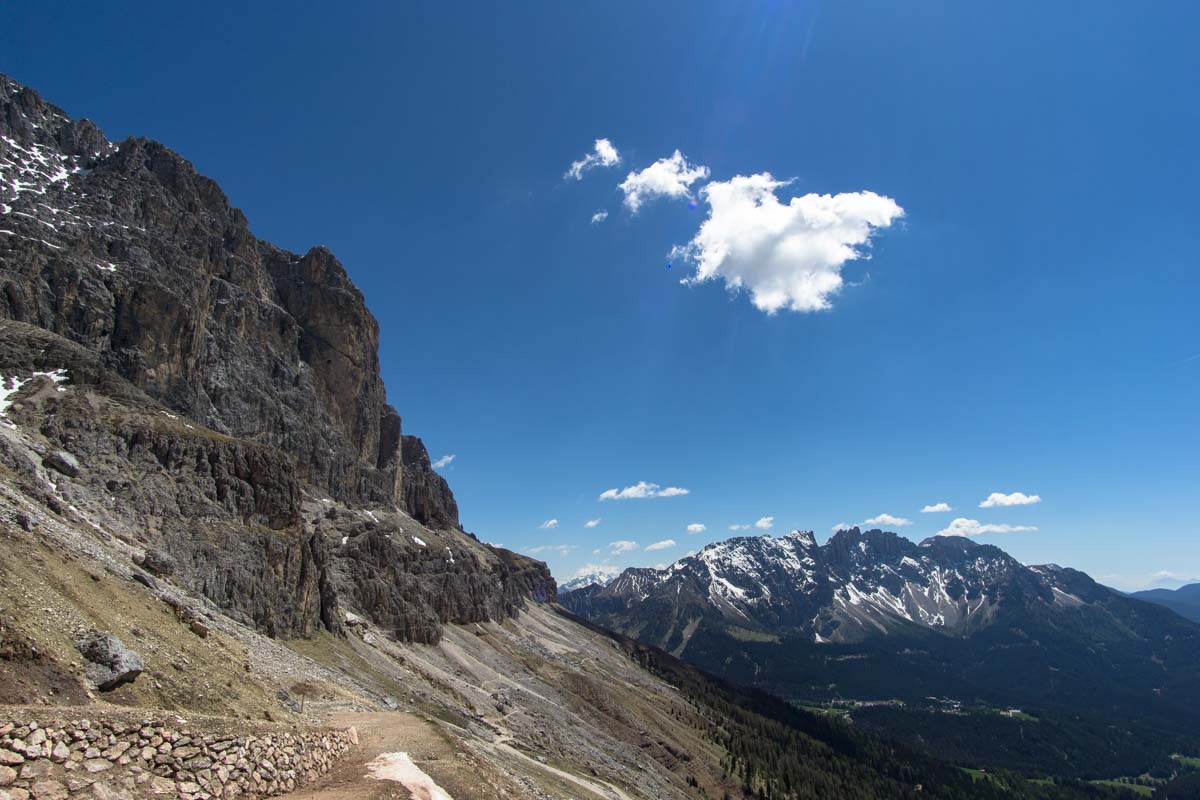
{"x":214,"y":401}
{"x":427,"y":496}
{"x":128,"y":251}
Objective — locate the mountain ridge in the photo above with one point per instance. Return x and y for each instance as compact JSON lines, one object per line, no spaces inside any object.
{"x":870,"y":614}
{"x":1184,"y":601}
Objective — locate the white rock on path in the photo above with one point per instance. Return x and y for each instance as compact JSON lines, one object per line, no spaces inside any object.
{"x":399,"y":768}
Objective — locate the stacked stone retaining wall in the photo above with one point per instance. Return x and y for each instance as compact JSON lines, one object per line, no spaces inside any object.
{"x":164,"y":756}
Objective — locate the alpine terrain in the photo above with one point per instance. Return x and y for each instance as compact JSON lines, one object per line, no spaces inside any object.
{"x":1184,"y":601}
{"x":226,"y":568}
{"x":873,"y":621}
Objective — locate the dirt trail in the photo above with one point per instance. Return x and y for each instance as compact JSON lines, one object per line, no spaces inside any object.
{"x":391,"y":732}
{"x":462,"y":774}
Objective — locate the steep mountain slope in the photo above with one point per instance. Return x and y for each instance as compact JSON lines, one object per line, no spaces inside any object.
{"x":1184,"y":601}
{"x":871,"y":615}
{"x":217,"y":393}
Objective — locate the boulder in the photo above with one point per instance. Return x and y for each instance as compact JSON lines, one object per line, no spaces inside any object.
{"x":156,"y":562}
{"x":144,"y":580}
{"x":110,"y":662}
{"x":62,"y":461}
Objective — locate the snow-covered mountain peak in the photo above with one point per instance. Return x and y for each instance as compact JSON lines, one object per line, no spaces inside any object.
{"x":857,"y":585}
{"x":601,"y":576}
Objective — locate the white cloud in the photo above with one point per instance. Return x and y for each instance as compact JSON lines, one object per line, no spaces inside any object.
{"x":667,"y":177}
{"x":604,"y":570}
{"x":786,"y":256}
{"x":1166,"y":574}
{"x":591,"y":523}
{"x":599,"y":217}
{"x":739,"y":527}
{"x":765,"y":523}
{"x":562,"y":549}
{"x":841,"y":526}
{"x":663,"y":545}
{"x":444,"y":461}
{"x":888,"y":519}
{"x":972,"y":527}
{"x":550,"y":523}
{"x":661,"y":566}
{"x":596,"y":552}
{"x":603,"y":155}
{"x":936,"y":508}
{"x":641,"y":489}
{"x":1015,"y":499}
{"x":697,"y":527}
{"x":622,"y":546}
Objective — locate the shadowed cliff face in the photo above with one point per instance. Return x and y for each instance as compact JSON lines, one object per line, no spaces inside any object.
{"x":222,"y":396}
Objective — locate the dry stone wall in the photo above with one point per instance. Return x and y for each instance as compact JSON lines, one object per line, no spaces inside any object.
{"x":164,"y":757}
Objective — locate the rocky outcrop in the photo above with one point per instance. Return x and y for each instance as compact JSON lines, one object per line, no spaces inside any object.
{"x":410,"y":581}
{"x":427,"y":496}
{"x":128,"y":251}
{"x":184,"y":388}
{"x":109,"y":760}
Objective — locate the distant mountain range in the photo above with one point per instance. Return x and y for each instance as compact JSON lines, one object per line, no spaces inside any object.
{"x":871,"y":615}
{"x":601,"y":577}
{"x":1184,"y":601}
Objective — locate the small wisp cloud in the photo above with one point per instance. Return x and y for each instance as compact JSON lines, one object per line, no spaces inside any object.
{"x":889,"y":520}
{"x":444,"y":461}
{"x":999,"y":499}
{"x":973,"y":527}
{"x":642,"y":490}
{"x":562,"y":549}
{"x":603,"y":154}
{"x":670,"y":177}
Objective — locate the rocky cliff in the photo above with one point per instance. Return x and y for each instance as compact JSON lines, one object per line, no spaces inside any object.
{"x":128,"y":251}
{"x":214,"y":396}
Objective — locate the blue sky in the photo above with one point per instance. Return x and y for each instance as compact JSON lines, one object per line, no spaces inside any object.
{"x":1025,"y":326}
